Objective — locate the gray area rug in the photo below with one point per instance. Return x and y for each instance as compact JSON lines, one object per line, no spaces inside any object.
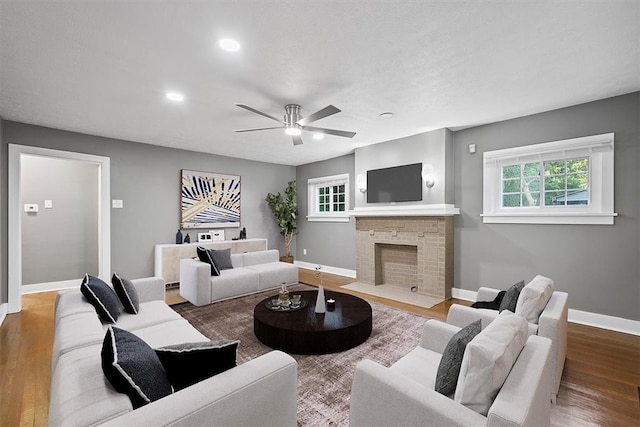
{"x":324,"y":382}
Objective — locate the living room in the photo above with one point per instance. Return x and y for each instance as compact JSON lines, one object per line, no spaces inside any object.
{"x":597,"y":265}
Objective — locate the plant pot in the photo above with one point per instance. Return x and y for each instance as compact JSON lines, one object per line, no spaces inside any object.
{"x":288,"y":259}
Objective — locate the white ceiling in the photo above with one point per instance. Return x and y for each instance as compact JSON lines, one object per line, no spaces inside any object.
{"x":102,"y":67}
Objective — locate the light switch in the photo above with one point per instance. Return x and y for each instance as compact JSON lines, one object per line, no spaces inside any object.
{"x":472,"y":148}
{"x":116,"y":204}
{"x":48,"y":204}
{"x":31,"y":207}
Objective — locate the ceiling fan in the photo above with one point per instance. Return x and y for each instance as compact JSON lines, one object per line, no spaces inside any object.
{"x":294,"y":123}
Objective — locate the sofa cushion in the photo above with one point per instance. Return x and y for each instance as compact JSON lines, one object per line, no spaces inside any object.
{"x":534,"y":298}
{"x":221,"y":258}
{"x":205,"y":256}
{"x":449,"y":366}
{"x":102,"y":297}
{"x":150,"y":313}
{"x":189,"y":363}
{"x":133,"y":368}
{"x":419,"y":365}
{"x":274,"y":274}
{"x":127,"y":293}
{"x":488,"y":359}
{"x":510,"y":297}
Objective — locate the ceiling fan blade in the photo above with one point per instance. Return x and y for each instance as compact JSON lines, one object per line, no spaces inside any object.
{"x":343,"y":133}
{"x":251,"y":130}
{"x":297,"y":140}
{"x":320,"y":114}
{"x":253,"y":110}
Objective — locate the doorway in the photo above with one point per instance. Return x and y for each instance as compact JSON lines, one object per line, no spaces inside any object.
{"x":35,"y":207}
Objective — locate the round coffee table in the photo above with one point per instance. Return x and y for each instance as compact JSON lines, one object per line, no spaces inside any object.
{"x":304,"y":331}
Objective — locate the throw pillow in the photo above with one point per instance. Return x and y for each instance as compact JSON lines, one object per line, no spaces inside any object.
{"x":127,"y":293}
{"x":491,"y":305}
{"x":133,"y":368}
{"x":488,"y":360}
{"x":187,"y":364}
{"x":449,"y":367}
{"x":534,"y":298}
{"x":511,"y":297}
{"x":205,"y":256}
{"x":222,"y":258}
{"x":102,"y":297}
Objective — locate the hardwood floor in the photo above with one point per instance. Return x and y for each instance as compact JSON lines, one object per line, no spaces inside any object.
{"x":600,"y":384}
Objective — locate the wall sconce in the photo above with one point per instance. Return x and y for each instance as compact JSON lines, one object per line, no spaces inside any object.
{"x":428,"y":175}
{"x":361,"y":182}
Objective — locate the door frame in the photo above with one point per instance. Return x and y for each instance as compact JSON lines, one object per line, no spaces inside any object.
{"x":15,"y":223}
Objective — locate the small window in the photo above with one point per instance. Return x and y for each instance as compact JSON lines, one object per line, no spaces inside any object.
{"x":560,"y":182}
{"x":328,"y":198}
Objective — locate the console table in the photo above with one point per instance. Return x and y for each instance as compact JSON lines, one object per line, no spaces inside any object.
{"x":167,"y":256}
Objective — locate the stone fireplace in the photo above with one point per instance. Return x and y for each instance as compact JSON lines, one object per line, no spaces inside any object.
{"x":406,"y":251}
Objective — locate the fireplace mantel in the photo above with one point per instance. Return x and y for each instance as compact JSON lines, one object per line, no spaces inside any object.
{"x":405,"y":210}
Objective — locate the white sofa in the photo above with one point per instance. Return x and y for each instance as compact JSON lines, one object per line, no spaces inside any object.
{"x":260,"y":392}
{"x":404,"y":395}
{"x":252,"y":272}
{"x":552,"y":323}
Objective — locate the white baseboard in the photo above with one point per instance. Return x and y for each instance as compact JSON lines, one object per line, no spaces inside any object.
{"x":326,"y":268}
{"x":50,"y":286}
{"x":463,"y":294}
{"x":4,"y":309}
{"x":603,"y":321}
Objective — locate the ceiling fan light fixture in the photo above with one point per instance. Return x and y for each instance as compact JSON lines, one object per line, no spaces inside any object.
{"x":175,"y":96}
{"x":229,"y":45}
{"x":318,"y":136}
{"x":293,"y":131}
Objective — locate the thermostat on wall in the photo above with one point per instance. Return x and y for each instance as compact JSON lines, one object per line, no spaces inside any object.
{"x":204,"y":237}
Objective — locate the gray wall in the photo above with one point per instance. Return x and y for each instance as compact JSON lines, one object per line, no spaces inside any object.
{"x":327,"y":243}
{"x":69,"y":229}
{"x":147,"y":179}
{"x":3,"y":218}
{"x":598,"y":265}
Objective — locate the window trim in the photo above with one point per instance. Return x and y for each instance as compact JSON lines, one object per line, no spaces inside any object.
{"x":599,"y":149}
{"x":312,"y":186}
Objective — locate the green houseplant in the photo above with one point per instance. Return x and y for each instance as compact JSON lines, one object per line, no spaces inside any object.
{"x":285,"y":211}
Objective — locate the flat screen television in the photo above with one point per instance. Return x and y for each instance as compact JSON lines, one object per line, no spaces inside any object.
{"x":396,"y":184}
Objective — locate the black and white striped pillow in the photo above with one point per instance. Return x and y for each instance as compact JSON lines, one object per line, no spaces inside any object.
{"x":205,"y":256}
{"x":102,"y":297}
{"x":127,"y":293}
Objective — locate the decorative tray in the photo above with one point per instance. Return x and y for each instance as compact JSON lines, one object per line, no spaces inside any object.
{"x":270,"y":306}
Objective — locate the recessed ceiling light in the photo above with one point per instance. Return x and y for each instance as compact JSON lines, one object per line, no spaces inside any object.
{"x":175,"y":96}
{"x":229,"y":45}
{"x":387,"y":115}
{"x":318,"y":136}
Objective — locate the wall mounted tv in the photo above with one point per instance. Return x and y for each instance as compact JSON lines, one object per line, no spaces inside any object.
{"x":396,"y":184}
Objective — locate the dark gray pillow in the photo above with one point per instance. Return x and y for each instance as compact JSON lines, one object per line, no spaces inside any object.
{"x":102,"y":297}
{"x":127,"y":293}
{"x":449,"y":367}
{"x":189,"y":363}
{"x":133,"y":368}
{"x":511,"y":297}
{"x":204,"y":255}
{"x":222,"y":258}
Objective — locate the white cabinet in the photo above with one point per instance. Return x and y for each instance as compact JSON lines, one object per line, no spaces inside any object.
{"x":168,"y":256}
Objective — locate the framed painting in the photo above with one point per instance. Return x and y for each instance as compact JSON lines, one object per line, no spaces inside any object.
{"x":209,"y":200}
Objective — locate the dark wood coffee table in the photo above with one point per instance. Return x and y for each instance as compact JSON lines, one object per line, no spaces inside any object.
{"x":304,"y":331}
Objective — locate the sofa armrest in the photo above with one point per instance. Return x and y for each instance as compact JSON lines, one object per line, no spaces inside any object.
{"x":382,"y":397}
{"x":436,"y":335}
{"x":150,"y":288}
{"x":486,"y":294}
{"x":461,"y":315}
{"x":195,"y":281}
{"x":553,"y":324}
{"x":261,"y":392}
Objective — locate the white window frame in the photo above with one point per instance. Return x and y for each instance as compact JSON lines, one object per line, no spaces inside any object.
{"x":599,"y":150}
{"x":327,"y":181}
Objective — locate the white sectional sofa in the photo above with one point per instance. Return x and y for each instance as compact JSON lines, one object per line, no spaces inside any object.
{"x":252,"y":272}
{"x":260,"y":392}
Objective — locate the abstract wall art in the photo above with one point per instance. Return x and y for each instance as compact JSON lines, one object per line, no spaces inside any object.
{"x":209,"y":200}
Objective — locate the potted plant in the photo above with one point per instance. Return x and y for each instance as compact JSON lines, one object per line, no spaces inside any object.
{"x":285,"y":211}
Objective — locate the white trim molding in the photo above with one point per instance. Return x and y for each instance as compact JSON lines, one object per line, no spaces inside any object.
{"x":4,"y":309}
{"x":326,"y":269}
{"x":312,"y":202}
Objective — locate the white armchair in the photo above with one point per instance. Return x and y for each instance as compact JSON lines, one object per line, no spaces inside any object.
{"x":404,"y":394}
{"x":552,"y":323}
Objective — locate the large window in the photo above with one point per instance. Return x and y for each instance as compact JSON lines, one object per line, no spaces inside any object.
{"x":560,"y":182}
{"x":328,"y":198}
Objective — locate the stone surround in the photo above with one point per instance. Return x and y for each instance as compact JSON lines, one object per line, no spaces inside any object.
{"x":426,"y":239}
